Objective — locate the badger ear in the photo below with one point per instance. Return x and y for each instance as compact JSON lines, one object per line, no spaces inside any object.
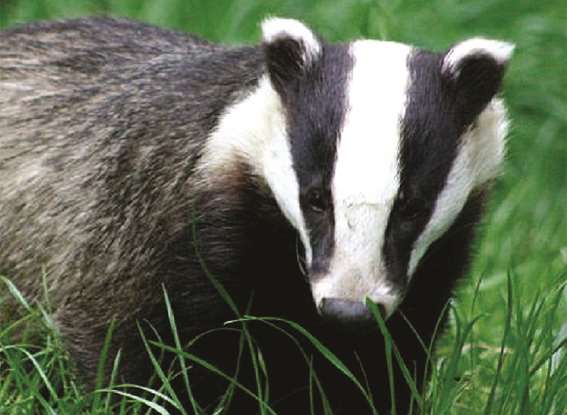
{"x":475,"y":67}
{"x":290,"y":48}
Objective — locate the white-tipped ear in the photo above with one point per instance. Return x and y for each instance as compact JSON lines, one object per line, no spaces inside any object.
{"x":474,"y":71}
{"x":275,"y":29}
{"x":500,"y":52}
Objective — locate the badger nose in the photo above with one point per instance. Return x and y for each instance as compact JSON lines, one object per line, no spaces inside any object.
{"x":348,"y":314}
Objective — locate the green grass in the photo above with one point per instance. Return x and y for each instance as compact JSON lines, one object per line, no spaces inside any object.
{"x":497,"y":356}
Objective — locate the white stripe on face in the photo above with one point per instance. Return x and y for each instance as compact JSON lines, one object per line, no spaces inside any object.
{"x":478,"y":161}
{"x":253,"y":130}
{"x":366,"y":176}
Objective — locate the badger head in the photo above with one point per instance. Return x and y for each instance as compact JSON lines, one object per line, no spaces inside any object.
{"x":371,"y":150}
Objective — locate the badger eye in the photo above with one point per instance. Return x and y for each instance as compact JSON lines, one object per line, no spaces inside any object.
{"x":317,"y":201}
{"x":412,"y":208}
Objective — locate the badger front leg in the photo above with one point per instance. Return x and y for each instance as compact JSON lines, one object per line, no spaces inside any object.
{"x":92,"y":343}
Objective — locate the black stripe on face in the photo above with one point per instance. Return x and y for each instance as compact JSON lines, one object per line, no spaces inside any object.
{"x":431,"y":133}
{"x":315,"y":108}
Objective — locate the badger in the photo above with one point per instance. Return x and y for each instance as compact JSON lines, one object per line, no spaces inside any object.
{"x":308,"y":179}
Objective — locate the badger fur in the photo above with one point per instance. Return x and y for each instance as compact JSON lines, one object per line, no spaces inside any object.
{"x":134,"y":159}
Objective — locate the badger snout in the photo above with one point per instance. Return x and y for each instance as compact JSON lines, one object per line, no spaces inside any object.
{"x":348,"y":314}
{"x":342,"y":300}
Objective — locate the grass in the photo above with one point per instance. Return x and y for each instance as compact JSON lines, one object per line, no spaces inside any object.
{"x":502,"y":353}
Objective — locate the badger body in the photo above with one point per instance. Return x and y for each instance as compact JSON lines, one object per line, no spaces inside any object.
{"x":136,"y":161}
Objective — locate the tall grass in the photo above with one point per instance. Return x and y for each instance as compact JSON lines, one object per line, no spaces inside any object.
{"x":503,"y":352}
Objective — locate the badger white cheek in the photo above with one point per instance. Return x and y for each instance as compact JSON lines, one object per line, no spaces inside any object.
{"x":254,"y":130}
{"x":283,"y":183}
{"x":449,"y":204}
{"x":446,"y":211}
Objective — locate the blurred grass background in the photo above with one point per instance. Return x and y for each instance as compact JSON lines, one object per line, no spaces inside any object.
{"x":525,"y":234}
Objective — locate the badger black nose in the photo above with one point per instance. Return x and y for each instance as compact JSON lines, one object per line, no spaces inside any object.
{"x":348,"y":314}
